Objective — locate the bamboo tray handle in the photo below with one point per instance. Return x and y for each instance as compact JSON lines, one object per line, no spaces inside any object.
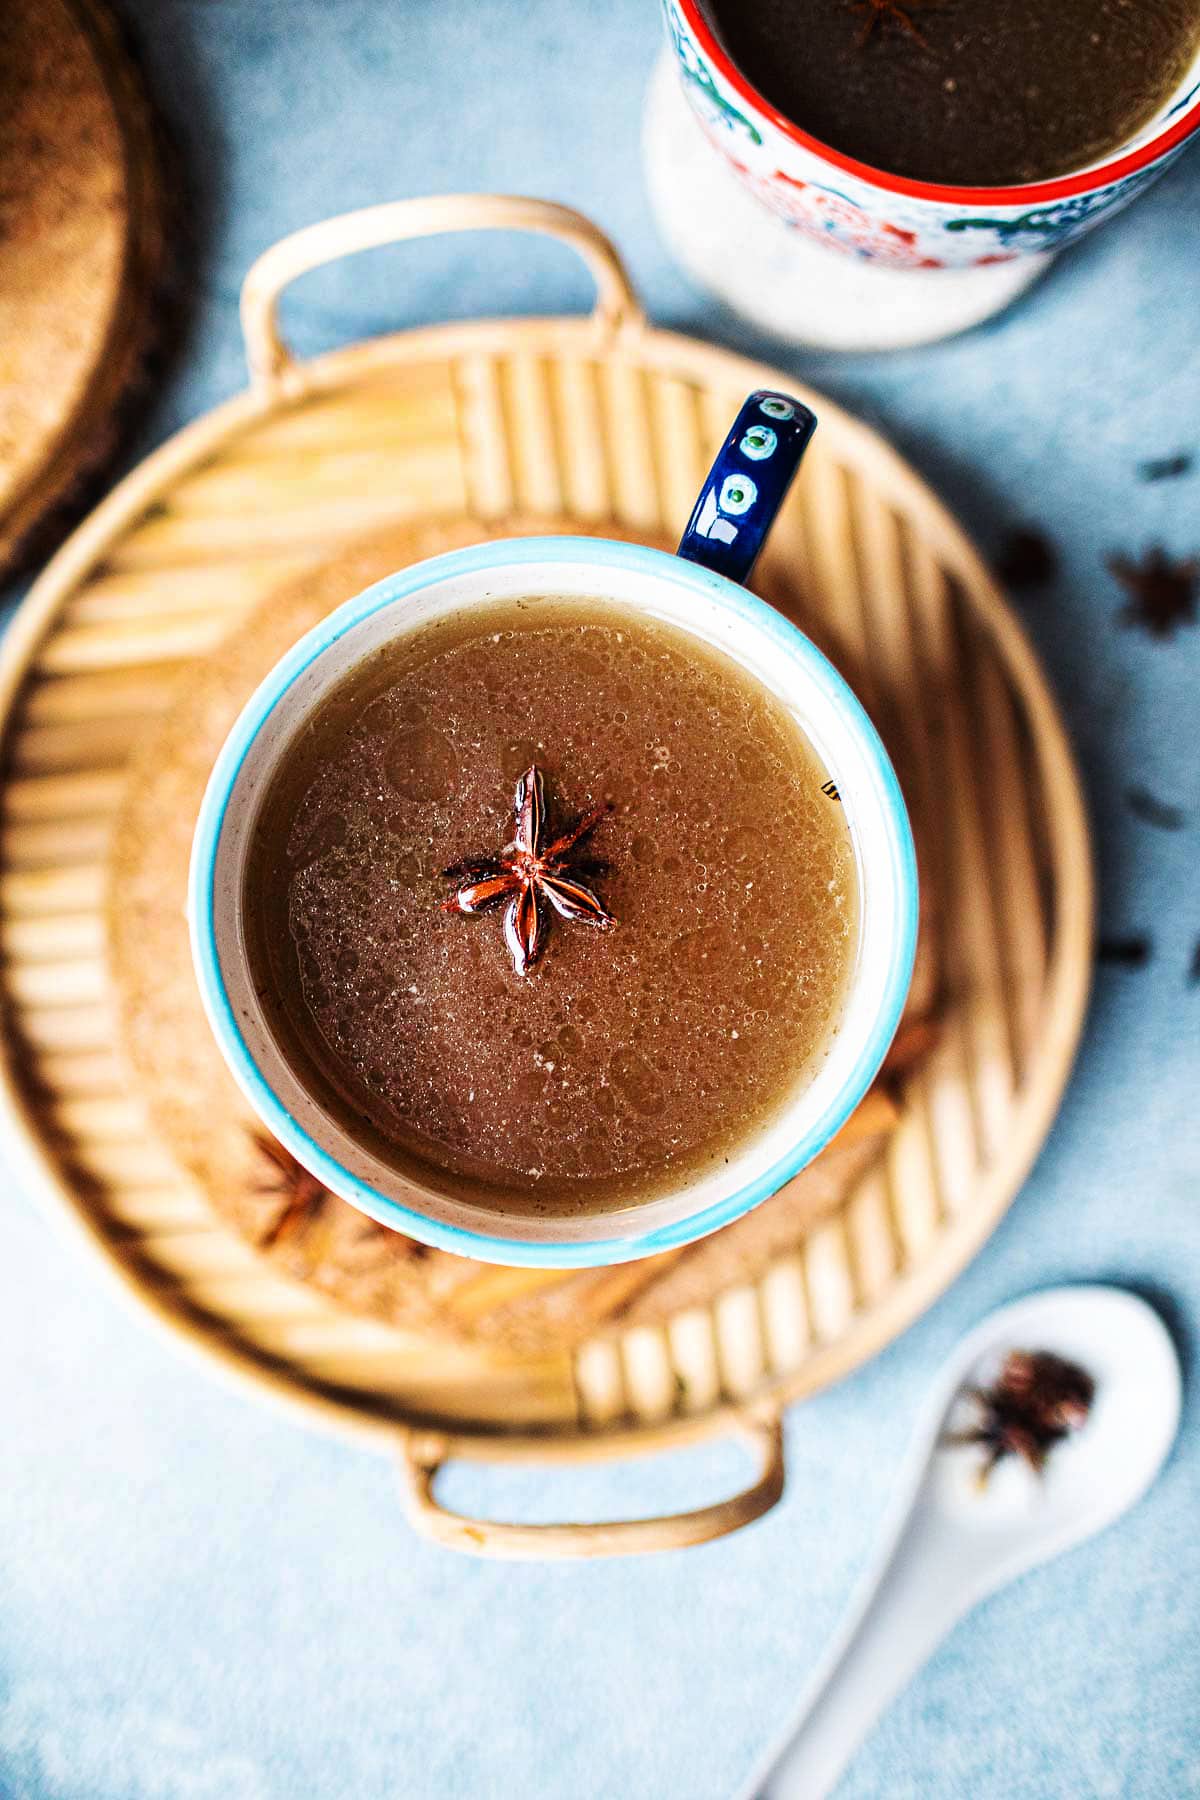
{"x":423,"y":1454}
{"x":617,"y":308}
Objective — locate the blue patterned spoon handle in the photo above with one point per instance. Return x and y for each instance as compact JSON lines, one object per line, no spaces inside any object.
{"x":746,"y":485}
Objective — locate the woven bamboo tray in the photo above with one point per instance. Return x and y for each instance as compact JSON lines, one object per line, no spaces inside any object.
{"x":597,"y":418}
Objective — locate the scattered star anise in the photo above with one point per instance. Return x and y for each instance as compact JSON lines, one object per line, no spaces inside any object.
{"x":1027,"y":559}
{"x":877,"y":13}
{"x":1162,"y":591}
{"x":532,"y":872}
{"x":1038,"y":1399}
{"x":1166,"y":468}
{"x":1126,"y":952}
{"x":299,"y":1193}
{"x":1147,"y":806}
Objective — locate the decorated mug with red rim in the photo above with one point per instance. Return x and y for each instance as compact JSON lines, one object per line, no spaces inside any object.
{"x":890,"y":220}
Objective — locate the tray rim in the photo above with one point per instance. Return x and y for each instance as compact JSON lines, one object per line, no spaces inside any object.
{"x":644,"y":346}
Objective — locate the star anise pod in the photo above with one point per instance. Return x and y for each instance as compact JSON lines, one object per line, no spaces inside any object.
{"x":299,"y":1193}
{"x":1165,"y":468}
{"x":1027,"y":559}
{"x":1037,"y":1400}
{"x":1162,"y":591}
{"x":1127,"y":952}
{"x":529,"y":872}
{"x":877,"y":13}
{"x":1148,"y":807}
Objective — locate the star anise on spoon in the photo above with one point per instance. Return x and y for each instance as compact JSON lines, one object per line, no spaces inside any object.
{"x":1037,"y":1400}
{"x":528,"y":873}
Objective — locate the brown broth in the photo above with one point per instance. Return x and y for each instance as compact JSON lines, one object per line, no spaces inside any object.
{"x":626,"y":1062}
{"x":999,"y":92}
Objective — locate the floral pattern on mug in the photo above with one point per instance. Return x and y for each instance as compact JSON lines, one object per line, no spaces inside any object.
{"x":834,"y":218}
{"x":1044,"y":227}
{"x":706,"y":97}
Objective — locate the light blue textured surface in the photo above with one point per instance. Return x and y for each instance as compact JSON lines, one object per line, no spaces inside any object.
{"x":200,"y":1600}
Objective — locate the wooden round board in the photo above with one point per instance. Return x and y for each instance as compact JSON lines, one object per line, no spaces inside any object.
{"x":81,"y":254}
{"x":597,"y":420}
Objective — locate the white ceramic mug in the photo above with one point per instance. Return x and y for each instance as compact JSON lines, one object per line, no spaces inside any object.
{"x":708,"y":605}
{"x":821,"y":249}
{"x":890,"y":219}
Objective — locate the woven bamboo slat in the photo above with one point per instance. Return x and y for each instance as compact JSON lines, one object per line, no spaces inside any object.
{"x":598,"y":418}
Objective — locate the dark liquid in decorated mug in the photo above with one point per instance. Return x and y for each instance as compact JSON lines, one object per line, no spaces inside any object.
{"x":977,"y":93}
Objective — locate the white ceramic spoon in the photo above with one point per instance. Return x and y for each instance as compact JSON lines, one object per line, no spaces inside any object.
{"x":950,"y":1541}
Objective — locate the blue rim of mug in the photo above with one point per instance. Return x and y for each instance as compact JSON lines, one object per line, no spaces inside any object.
{"x":461,"y":1241}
